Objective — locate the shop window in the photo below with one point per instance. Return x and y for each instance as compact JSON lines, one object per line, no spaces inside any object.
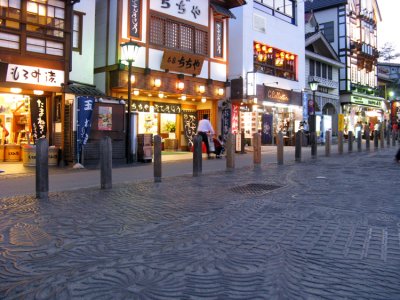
{"x":178,"y":36}
{"x":10,"y":13}
{"x":46,"y":18}
{"x":276,"y":62}
{"x":77,"y":32}
{"x":11,"y":41}
{"x":45,"y":47}
{"x":328,"y":31}
{"x":282,"y":9}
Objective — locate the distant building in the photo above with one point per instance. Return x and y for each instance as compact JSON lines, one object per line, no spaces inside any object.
{"x":351,"y":28}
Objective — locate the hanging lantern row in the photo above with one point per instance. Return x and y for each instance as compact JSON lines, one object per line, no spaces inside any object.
{"x":263,"y":51}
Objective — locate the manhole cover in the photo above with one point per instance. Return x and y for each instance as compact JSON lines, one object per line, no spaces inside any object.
{"x":255,"y":188}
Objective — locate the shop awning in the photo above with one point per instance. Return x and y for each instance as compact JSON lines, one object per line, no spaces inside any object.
{"x":222,"y":11}
{"x":84,"y":90}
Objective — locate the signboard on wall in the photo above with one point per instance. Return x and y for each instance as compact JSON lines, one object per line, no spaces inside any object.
{"x":135,"y":12}
{"x":225,"y":122}
{"x":182,"y":62}
{"x":195,"y":11}
{"x":235,"y":119}
{"x":105,"y":118}
{"x":266,"y":133}
{"x":167,"y":108}
{"x":34,"y":75}
{"x":340,"y":122}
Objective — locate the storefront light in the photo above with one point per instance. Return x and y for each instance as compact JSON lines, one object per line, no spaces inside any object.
{"x":183,"y":97}
{"x":220,"y":91}
{"x":161,"y":95}
{"x":203,"y":100}
{"x":157,"y":82}
{"x":133,"y":79}
{"x":136,"y":92}
{"x":16,"y":90}
{"x":202,"y":89}
{"x":180,"y":85}
{"x":38,"y":92}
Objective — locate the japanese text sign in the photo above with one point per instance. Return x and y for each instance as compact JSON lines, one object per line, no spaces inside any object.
{"x":195,"y":11}
{"x":182,"y":62}
{"x":34,"y":75}
{"x":38,"y":117}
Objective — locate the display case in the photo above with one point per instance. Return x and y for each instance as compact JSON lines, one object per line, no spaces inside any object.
{"x":145,"y":147}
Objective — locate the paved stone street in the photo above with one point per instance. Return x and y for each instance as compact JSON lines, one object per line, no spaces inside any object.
{"x":322,"y":229}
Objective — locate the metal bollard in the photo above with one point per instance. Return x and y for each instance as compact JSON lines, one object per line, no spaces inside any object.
{"x":257,"y":150}
{"x":157,"y":158}
{"x":376,"y":141}
{"x":197,"y":155}
{"x":359,"y":141}
{"x":327,"y":143}
{"x":42,"y":169}
{"x":367,"y":139}
{"x":230,"y":152}
{"x":340,"y":142}
{"x":279,"y":151}
{"x":299,"y":141}
{"x":313,"y":138}
{"x":350,"y":142}
{"x":105,"y":163}
{"x":388,"y":134}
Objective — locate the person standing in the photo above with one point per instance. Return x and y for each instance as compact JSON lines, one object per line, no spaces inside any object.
{"x":204,"y":129}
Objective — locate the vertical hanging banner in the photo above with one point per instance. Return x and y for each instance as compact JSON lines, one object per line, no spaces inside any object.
{"x":225,"y":122}
{"x":190,"y":126}
{"x":235,"y":119}
{"x":134,"y":18}
{"x":266,"y":133}
{"x":38,"y":117}
{"x":85,"y":112}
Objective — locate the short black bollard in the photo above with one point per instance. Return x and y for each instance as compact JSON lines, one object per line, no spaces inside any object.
{"x":42,"y":169}
{"x":340,"y":142}
{"x":394,"y":135}
{"x":242,"y":142}
{"x":350,"y":142}
{"x":256,"y":150}
{"x":299,"y":141}
{"x":388,"y":135}
{"x":157,"y":158}
{"x":313,"y":138}
{"x":382,"y":137}
{"x":327,"y":143}
{"x":197,"y":155}
{"x":367,"y":139}
{"x":376,"y":138}
{"x":230,"y":152}
{"x":279,"y":151}
{"x":105,"y":163}
{"x":359,"y":141}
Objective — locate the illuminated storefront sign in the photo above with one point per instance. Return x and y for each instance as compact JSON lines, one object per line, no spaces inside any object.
{"x":365,"y":101}
{"x":34,"y":75}
{"x":182,"y":62}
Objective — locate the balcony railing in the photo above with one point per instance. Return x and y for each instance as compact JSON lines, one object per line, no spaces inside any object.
{"x":324,"y":82}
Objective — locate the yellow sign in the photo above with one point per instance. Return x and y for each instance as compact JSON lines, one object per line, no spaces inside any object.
{"x":340,"y":122}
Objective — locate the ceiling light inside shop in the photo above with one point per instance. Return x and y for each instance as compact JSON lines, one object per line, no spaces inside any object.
{"x":203,"y":100}
{"x":16,"y":90}
{"x":183,"y":97}
{"x":38,"y":92}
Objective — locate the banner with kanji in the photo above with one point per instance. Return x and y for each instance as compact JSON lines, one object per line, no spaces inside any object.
{"x":38,"y":117}
{"x":85,"y":112}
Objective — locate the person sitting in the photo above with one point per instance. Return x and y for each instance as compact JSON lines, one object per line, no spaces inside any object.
{"x":218,"y":146}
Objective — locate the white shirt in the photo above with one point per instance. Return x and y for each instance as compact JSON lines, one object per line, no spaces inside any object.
{"x":205,"y":126}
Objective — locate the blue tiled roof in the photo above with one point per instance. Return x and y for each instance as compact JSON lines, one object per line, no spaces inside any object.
{"x":323,"y":4}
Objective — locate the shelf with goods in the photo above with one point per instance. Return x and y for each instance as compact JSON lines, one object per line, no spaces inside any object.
{"x":21,"y":125}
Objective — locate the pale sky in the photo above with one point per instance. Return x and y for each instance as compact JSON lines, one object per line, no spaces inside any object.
{"x":388,"y":29}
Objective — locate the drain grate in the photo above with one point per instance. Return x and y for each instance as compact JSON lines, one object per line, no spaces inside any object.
{"x":255,"y":188}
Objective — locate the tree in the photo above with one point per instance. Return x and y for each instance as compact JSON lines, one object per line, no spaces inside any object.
{"x":387,"y":52}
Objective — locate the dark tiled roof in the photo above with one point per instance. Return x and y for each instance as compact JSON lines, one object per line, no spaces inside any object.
{"x":83,"y":90}
{"x":323,"y":4}
{"x":222,"y":10}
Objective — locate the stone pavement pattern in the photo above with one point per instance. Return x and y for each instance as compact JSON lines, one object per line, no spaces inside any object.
{"x":325,"y":229}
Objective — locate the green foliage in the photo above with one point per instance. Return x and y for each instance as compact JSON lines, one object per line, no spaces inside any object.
{"x":170,"y":126}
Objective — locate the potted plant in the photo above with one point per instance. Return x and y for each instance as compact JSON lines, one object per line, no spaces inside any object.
{"x":170,"y":127}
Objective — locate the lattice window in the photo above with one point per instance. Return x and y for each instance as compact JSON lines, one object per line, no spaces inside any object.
{"x":179,"y":36}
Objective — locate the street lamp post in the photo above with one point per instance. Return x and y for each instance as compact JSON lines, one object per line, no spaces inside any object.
{"x":129,"y":51}
{"x":313,"y":118}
